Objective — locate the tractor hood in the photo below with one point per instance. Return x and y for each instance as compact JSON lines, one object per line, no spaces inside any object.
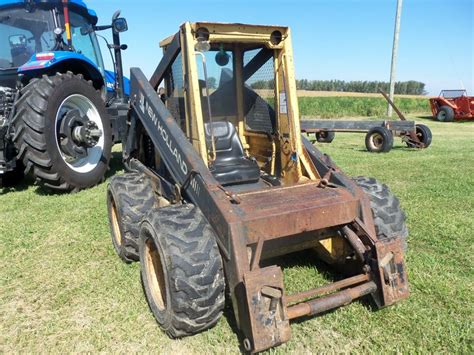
{"x":76,"y":5}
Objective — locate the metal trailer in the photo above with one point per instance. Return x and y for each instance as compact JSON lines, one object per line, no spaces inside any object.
{"x":379,"y":137}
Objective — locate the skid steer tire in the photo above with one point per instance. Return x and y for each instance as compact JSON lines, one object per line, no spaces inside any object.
{"x":389,"y":218}
{"x":44,"y":103}
{"x":181,"y":270}
{"x":129,"y":198}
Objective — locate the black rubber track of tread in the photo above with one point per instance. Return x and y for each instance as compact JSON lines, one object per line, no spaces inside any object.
{"x":30,"y":122}
{"x":389,"y":218}
{"x":134,"y":197}
{"x":193,"y":267}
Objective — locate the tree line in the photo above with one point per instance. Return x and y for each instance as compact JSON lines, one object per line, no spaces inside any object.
{"x":401,"y":88}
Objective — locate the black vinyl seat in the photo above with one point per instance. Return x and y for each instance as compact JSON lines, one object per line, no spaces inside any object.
{"x":231,"y":165}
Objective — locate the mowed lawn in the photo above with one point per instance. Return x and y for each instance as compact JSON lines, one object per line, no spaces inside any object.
{"x":62,"y":289}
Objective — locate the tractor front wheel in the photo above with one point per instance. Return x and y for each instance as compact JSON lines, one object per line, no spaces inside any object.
{"x":62,"y":132}
{"x":181,"y":270}
{"x":445,"y":114}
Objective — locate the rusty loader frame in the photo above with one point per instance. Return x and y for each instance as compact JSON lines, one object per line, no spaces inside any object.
{"x":314,"y":202}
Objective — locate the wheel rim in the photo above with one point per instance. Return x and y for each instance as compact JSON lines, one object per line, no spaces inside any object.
{"x":88,"y":109}
{"x":420,"y":135}
{"x":154,"y":274}
{"x":376,"y":141}
{"x":441,"y":116}
{"x":115,"y":225}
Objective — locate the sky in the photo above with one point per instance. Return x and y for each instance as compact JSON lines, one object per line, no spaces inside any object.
{"x":332,"y":39}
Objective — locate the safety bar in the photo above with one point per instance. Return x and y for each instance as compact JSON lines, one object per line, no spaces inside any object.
{"x":351,"y":281}
{"x":326,"y":303}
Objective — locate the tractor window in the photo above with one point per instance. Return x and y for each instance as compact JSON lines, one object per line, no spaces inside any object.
{"x":175,"y":86}
{"x":85,"y":44}
{"x":259,"y":90}
{"x":23,"y":34}
{"x":220,"y":84}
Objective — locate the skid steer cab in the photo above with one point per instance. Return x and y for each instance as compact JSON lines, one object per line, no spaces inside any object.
{"x":220,"y":180}
{"x":60,"y":110}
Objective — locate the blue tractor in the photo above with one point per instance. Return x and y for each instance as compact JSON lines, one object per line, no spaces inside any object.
{"x":60,"y":110}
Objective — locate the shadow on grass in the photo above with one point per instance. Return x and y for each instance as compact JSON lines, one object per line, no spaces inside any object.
{"x":21,"y":183}
{"x":115,"y":166}
{"x":431,"y":119}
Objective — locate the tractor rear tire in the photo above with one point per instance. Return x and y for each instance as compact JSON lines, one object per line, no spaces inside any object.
{"x":325,"y":136}
{"x":445,"y":114}
{"x":424,"y":134}
{"x":181,"y":270}
{"x":389,"y":218}
{"x":379,"y":140}
{"x":129,"y":198}
{"x":44,"y":103}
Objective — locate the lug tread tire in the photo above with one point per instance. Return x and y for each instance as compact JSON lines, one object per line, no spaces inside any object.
{"x":193,"y":269}
{"x":133,"y":196}
{"x":30,"y":137}
{"x":389,"y":218}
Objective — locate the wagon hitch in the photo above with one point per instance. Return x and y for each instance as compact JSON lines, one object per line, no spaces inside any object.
{"x":410,"y":138}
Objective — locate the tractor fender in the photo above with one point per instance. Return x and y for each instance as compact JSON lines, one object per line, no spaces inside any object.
{"x":110,"y":82}
{"x":62,"y":62}
{"x":441,"y":101}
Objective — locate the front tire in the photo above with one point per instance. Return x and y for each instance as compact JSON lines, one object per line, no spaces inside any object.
{"x":379,"y":140}
{"x":45,"y":143}
{"x":181,"y":270}
{"x":389,"y":218}
{"x":129,"y":198}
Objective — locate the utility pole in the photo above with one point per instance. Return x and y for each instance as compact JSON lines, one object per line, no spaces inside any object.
{"x":393,"y":70}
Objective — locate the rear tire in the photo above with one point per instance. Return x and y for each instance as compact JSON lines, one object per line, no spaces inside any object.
{"x":445,"y":114}
{"x":389,"y":218}
{"x":181,"y":270}
{"x":325,"y":136}
{"x":379,"y":140}
{"x":43,"y":105}
{"x":424,"y":134}
{"x":129,"y":198}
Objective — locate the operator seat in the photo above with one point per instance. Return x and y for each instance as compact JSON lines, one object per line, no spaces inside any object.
{"x":231,"y":165}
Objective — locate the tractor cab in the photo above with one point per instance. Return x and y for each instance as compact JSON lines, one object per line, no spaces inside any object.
{"x":52,"y":46}
{"x":40,"y":27}
{"x":238,"y":104}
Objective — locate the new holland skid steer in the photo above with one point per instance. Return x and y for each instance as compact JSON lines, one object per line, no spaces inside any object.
{"x":219,"y":180}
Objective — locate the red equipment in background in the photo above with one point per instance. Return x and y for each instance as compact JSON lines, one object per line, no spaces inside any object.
{"x":452,"y":105}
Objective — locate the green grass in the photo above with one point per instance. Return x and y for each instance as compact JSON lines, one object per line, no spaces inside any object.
{"x":62,"y":289}
{"x":346,"y":106}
